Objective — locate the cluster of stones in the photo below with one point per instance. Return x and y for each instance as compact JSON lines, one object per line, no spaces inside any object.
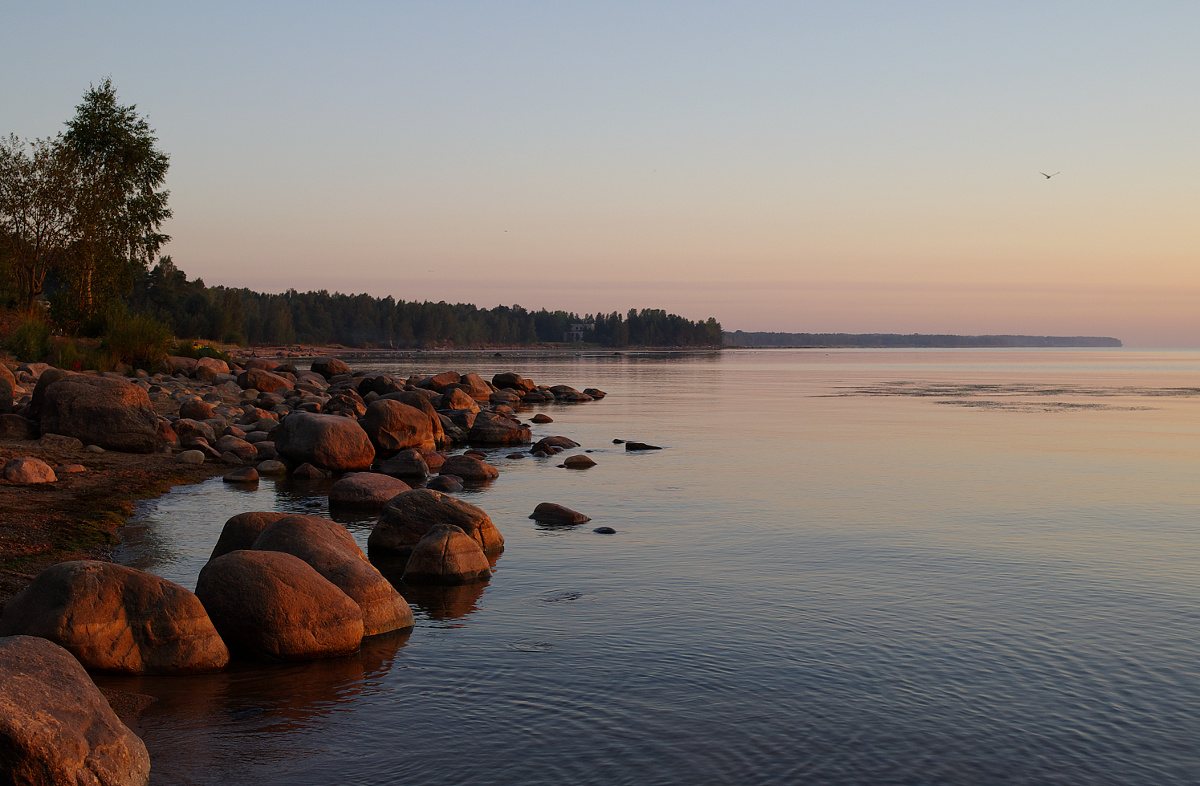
{"x":277,"y":587}
{"x":267,"y":417}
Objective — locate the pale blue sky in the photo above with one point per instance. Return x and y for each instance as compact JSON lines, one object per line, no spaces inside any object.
{"x":850,"y":166}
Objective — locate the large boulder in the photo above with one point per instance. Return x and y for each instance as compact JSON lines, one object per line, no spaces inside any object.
{"x":446,"y":555}
{"x":28,"y":471}
{"x":330,"y":442}
{"x":409,"y":516}
{"x":498,"y":430}
{"x":111,"y":413}
{"x":476,"y":387}
{"x":407,"y":464}
{"x":262,"y":381}
{"x":553,"y":444}
{"x":394,"y":426}
{"x":365,"y":490}
{"x":512,"y":381}
{"x":14,"y":426}
{"x":332,"y":552}
{"x":207,"y":369}
{"x":329,"y":367}
{"x":242,"y":530}
{"x":56,"y":727}
{"x":270,"y":605}
{"x":469,"y":468}
{"x":117,"y":619}
{"x":418,"y":400}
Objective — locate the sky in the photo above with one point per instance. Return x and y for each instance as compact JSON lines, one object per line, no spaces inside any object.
{"x":793,"y":166}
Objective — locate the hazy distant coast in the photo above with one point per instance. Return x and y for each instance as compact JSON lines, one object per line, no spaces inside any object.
{"x":739,"y":338}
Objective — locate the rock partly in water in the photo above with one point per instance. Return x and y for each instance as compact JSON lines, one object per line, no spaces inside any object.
{"x":446,"y":555}
{"x":332,"y":552}
{"x":409,"y":516}
{"x":554,"y":514}
{"x":117,"y":619}
{"x":469,"y":468}
{"x":330,"y":442}
{"x":269,"y":605}
{"x":365,"y":490}
{"x":56,"y":727}
{"x":394,"y":426}
{"x":243,"y":475}
{"x":578,"y":461}
{"x":242,"y":530}
{"x":447,"y":483}
{"x":640,"y":446}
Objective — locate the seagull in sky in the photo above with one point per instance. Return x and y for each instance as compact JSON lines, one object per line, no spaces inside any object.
{"x":1043,"y":174}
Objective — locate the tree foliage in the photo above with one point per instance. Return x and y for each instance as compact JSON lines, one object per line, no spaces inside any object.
{"x":243,"y":316}
{"x":80,"y":213}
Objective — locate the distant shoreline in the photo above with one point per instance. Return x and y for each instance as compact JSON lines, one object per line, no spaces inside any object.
{"x":756,"y":340}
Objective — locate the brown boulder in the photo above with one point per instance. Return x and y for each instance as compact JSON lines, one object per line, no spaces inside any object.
{"x":196,"y":409}
{"x":553,"y":444}
{"x":242,"y":530}
{"x":208,"y":368}
{"x":56,"y":727}
{"x":365,"y":490}
{"x":330,"y":442}
{"x":392,"y":426}
{"x":111,"y":413}
{"x":332,"y":552}
{"x":16,"y":427}
{"x":180,"y":365}
{"x":262,"y":381}
{"x":579,"y":461}
{"x":418,"y":400}
{"x":329,"y":367}
{"x":469,"y":468}
{"x":542,"y":417}
{"x":513,"y":381}
{"x":274,"y":606}
{"x":498,"y":430}
{"x":476,"y":387}
{"x":446,"y":555}
{"x":27,"y":471}
{"x":554,"y":514}
{"x":408,"y":464}
{"x":458,"y":399}
{"x":409,"y":516}
{"x":118,"y":619}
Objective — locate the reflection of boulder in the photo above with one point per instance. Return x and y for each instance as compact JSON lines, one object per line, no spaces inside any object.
{"x":408,"y":516}
{"x":446,"y":601}
{"x":274,"y":606}
{"x":331,"y":550}
{"x":56,"y":727}
{"x":291,"y":697}
{"x":114,"y":618}
{"x":446,"y":555}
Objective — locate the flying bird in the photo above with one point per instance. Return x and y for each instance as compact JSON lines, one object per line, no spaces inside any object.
{"x":1043,"y":174}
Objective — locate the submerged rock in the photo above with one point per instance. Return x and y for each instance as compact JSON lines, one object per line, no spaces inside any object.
{"x":365,"y":490}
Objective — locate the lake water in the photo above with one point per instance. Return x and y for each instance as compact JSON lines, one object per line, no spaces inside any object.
{"x":845,"y":567}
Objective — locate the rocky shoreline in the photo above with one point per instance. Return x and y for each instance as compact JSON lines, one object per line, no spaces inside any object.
{"x":76,"y":449}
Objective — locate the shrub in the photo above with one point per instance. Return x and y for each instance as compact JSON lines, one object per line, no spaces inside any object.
{"x":30,"y":342}
{"x":141,"y":341}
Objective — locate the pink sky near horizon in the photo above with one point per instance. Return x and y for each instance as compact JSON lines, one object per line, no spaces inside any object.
{"x":802,"y":167}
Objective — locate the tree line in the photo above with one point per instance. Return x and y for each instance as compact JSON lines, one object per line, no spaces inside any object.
{"x":243,"y":316}
{"x":80,"y":227}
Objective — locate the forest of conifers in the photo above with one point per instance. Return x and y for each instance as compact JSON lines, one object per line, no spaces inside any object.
{"x":243,"y":316}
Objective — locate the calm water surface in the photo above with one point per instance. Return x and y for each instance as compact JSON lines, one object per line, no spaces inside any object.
{"x":847,"y":567}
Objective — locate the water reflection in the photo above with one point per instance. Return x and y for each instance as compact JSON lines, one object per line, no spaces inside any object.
{"x":287,"y":694}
